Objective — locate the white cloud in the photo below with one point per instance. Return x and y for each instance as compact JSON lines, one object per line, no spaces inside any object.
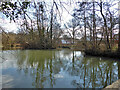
{"x":5,"y":23}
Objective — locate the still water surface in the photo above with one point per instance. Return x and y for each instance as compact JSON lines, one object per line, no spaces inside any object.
{"x":57,"y":69}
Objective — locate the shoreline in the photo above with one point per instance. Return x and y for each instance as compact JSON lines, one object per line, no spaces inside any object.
{"x":108,"y":54}
{"x":115,"y":85}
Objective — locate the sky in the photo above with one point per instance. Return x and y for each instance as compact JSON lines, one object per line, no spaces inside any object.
{"x":12,"y":27}
{"x":7,"y":25}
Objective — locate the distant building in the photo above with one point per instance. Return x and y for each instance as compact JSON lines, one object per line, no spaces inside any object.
{"x":65,"y":41}
{"x":88,"y":38}
{"x":68,"y":41}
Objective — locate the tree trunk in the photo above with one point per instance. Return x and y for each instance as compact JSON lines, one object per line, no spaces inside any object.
{"x":94,"y":26}
{"x":105,"y":25}
{"x":51,"y":25}
{"x":119,"y":26}
{"x":73,"y":36}
{"x":111,"y":32}
{"x":85,"y":28}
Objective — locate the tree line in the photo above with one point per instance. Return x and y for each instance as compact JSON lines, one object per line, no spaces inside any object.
{"x":40,"y":27}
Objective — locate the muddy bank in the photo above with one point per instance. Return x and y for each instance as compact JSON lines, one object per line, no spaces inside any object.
{"x":114,"y":85}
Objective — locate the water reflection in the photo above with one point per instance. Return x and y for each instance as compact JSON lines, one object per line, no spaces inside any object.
{"x":63,"y":68}
{"x":119,"y":70}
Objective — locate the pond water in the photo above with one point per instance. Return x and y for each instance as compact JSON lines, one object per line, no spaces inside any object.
{"x":57,"y":69}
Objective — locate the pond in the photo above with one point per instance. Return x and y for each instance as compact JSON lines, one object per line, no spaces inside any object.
{"x":57,"y":69}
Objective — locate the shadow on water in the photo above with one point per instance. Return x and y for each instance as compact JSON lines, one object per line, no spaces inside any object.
{"x":119,"y":70}
{"x":64,"y":68}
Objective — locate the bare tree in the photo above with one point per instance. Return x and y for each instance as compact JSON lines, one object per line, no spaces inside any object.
{"x":119,"y":27}
{"x":73,"y":27}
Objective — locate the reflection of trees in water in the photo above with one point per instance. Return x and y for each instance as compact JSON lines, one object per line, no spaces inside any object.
{"x":92,"y":72}
{"x":119,"y":70}
{"x":95,"y":73}
{"x":40,"y":65}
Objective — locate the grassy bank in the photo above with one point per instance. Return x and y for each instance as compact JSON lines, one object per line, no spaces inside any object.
{"x":111,"y":54}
